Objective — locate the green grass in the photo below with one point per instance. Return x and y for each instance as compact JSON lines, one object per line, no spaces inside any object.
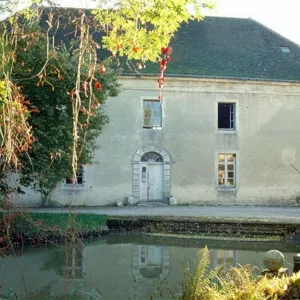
{"x":34,"y":228}
{"x":60,"y":221}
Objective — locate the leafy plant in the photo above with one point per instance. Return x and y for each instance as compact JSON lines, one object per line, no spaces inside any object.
{"x":49,"y":160}
{"x":200,"y":284}
{"x":236,"y":283}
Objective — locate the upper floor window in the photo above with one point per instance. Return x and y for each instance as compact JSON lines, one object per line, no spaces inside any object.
{"x":226,"y":169}
{"x":152,"y":114}
{"x":226,"y":116}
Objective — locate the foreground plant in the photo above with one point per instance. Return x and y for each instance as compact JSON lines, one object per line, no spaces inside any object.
{"x":236,"y":283}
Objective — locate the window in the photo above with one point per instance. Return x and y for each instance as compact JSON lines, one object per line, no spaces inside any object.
{"x":151,"y":157}
{"x":79,"y":177}
{"x":144,"y":174}
{"x":285,"y":49}
{"x":226,"y":259}
{"x":226,"y":170}
{"x":75,"y":260}
{"x":152,"y":114}
{"x":226,"y":116}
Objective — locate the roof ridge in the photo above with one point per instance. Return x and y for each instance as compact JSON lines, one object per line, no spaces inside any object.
{"x":225,"y":17}
{"x":275,"y":32}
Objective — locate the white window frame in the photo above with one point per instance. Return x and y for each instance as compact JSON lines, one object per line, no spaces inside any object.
{"x":226,"y":163}
{"x":152,"y":126}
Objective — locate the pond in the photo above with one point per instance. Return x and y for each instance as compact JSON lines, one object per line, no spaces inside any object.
{"x":123,"y":266}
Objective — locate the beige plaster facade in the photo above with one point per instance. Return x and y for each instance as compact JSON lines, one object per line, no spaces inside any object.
{"x":265,"y":143}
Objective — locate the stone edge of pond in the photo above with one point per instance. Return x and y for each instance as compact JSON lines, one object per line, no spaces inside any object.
{"x":209,"y":219}
{"x":217,"y":238}
{"x":249,"y":228}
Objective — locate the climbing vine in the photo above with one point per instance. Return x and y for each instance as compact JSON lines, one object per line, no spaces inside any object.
{"x":163,"y":61}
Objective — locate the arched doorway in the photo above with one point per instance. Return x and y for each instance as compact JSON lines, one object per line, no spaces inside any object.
{"x":151,"y":174}
{"x":150,"y":263}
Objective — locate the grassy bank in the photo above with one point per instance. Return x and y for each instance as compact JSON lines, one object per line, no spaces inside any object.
{"x":20,"y":228}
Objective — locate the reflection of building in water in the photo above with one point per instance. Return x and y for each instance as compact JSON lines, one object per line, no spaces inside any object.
{"x":75,"y":261}
{"x":150,"y":262}
{"x":224,"y":258}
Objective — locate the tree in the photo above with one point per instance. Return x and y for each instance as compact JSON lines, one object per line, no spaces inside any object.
{"x":66,"y":82}
{"x":49,"y":159}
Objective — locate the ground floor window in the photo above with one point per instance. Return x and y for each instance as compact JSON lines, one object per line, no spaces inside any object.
{"x":75,"y":262}
{"x":78,"y":179}
{"x":226,"y":169}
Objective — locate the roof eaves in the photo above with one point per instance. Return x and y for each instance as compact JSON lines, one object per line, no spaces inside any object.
{"x":210,"y":77}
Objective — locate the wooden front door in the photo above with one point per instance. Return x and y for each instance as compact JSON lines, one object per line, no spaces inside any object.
{"x":151,"y":183}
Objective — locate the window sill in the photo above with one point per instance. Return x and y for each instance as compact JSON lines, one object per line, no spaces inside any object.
{"x":226,"y":188}
{"x":226,"y":131}
{"x":72,"y":187}
{"x":152,"y":128}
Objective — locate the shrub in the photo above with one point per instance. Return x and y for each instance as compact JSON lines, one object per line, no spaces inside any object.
{"x":236,"y":283}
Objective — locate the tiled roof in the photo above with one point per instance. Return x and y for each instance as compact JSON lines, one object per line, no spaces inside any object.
{"x":231,"y":47}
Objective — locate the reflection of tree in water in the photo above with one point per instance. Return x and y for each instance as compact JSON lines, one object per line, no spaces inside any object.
{"x":68,"y":261}
{"x":55,"y":262}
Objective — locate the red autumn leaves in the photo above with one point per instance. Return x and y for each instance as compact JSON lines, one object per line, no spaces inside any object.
{"x":97,"y":84}
{"x":165,"y":59}
{"x":166,"y":50}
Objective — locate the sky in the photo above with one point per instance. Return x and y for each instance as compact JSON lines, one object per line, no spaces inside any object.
{"x":283,"y":16}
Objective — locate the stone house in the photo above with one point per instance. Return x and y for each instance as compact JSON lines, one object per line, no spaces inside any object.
{"x":226,"y":131}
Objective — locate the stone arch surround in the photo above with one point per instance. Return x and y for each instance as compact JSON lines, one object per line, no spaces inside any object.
{"x":136,"y":174}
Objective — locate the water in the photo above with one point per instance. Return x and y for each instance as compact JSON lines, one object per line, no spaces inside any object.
{"x":122,"y":266}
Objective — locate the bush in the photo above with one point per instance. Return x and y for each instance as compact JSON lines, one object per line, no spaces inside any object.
{"x":236,"y":283}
